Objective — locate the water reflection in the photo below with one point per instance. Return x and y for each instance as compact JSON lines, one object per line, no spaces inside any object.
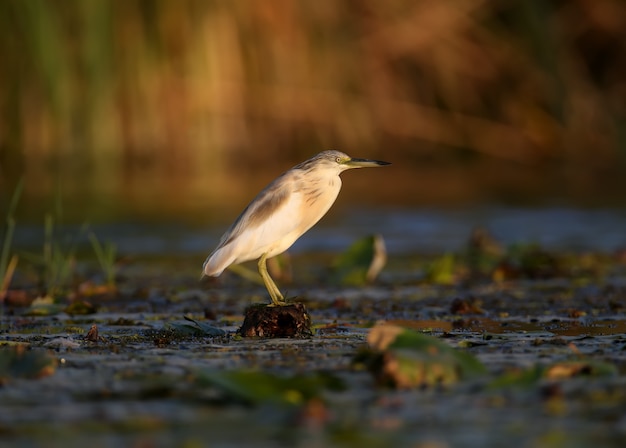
{"x":405,"y":230}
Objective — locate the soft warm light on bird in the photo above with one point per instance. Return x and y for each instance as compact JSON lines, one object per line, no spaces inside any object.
{"x":281,"y":213}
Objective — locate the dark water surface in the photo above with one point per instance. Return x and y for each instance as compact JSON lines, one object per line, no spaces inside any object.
{"x":404,"y":230}
{"x":140,"y":383}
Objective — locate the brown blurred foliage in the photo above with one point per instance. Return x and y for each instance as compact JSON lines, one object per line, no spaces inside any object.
{"x":104,"y":92}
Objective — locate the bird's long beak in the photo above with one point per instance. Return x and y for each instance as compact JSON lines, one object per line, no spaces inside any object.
{"x":361,"y":163}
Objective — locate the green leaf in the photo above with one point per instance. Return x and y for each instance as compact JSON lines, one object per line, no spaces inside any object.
{"x":43,"y":306}
{"x":361,"y":263}
{"x":442,"y":271}
{"x":520,"y":378}
{"x":412,"y":340}
{"x":403,"y":358}
{"x":558,"y":371}
{"x":255,"y":387}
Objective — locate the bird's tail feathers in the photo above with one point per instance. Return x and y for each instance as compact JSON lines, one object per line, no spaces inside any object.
{"x":217,"y":262}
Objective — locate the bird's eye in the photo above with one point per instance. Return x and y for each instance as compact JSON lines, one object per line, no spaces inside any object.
{"x":338,"y":159}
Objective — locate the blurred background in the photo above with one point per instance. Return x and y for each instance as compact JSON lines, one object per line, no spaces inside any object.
{"x":180,"y":110}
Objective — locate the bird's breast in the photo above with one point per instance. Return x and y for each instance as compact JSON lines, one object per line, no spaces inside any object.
{"x":317,"y":198}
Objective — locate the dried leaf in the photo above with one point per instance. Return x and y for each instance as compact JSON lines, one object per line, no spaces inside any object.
{"x":92,"y":334}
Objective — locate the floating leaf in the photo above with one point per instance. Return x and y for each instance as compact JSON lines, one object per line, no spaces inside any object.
{"x":520,"y":378}
{"x":557,"y":371}
{"x":403,"y":358}
{"x":255,"y":387}
{"x":43,"y":306}
{"x":19,"y":362}
{"x":194,"y":328}
{"x":362,"y":262}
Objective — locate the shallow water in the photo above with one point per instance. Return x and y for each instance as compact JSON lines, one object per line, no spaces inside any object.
{"x":405,"y":231}
{"x":138,"y":384}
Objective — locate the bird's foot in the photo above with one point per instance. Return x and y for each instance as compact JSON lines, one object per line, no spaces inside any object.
{"x":280,"y":302}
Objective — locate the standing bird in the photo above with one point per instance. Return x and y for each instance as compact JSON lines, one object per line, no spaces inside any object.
{"x":281,"y":213}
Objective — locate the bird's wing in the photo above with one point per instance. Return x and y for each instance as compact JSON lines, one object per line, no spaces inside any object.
{"x":272,"y":215}
{"x":264,"y":207}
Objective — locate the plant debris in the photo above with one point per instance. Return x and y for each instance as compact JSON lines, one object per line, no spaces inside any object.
{"x":289,"y":321}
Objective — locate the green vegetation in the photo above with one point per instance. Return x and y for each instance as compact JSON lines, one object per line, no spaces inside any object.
{"x":56,"y":265}
{"x":105,"y":254}
{"x":361,"y":262}
{"x":511,"y":98}
{"x":262,"y":388}
{"x":490,"y":262}
{"x":502,"y":341}
{"x":405,"y":359}
{"x":8,"y":261}
{"x":57,"y":261}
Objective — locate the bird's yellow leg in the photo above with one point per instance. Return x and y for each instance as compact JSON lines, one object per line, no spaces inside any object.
{"x":275,"y":294}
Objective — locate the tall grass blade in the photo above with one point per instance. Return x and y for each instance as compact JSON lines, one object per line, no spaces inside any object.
{"x":7,"y":241}
{"x":8,"y":275}
{"x":105,"y":253}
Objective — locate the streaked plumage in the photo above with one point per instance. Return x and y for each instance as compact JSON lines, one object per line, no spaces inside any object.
{"x":281,"y":213}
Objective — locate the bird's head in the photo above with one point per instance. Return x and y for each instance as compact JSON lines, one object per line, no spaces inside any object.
{"x":341,"y":161}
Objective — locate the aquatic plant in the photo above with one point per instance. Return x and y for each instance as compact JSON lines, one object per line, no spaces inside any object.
{"x":8,"y":261}
{"x":106,"y":254}
{"x":59,"y":257}
{"x":56,"y":263}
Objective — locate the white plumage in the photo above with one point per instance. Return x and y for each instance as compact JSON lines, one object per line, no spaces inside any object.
{"x":281,"y":213}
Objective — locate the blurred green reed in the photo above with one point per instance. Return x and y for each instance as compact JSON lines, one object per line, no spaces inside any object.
{"x":8,"y":261}
{"x":56,"y":264}
{"x":106,"y":253}
{"x":58,"y":260}
{"x":104,"y":91}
